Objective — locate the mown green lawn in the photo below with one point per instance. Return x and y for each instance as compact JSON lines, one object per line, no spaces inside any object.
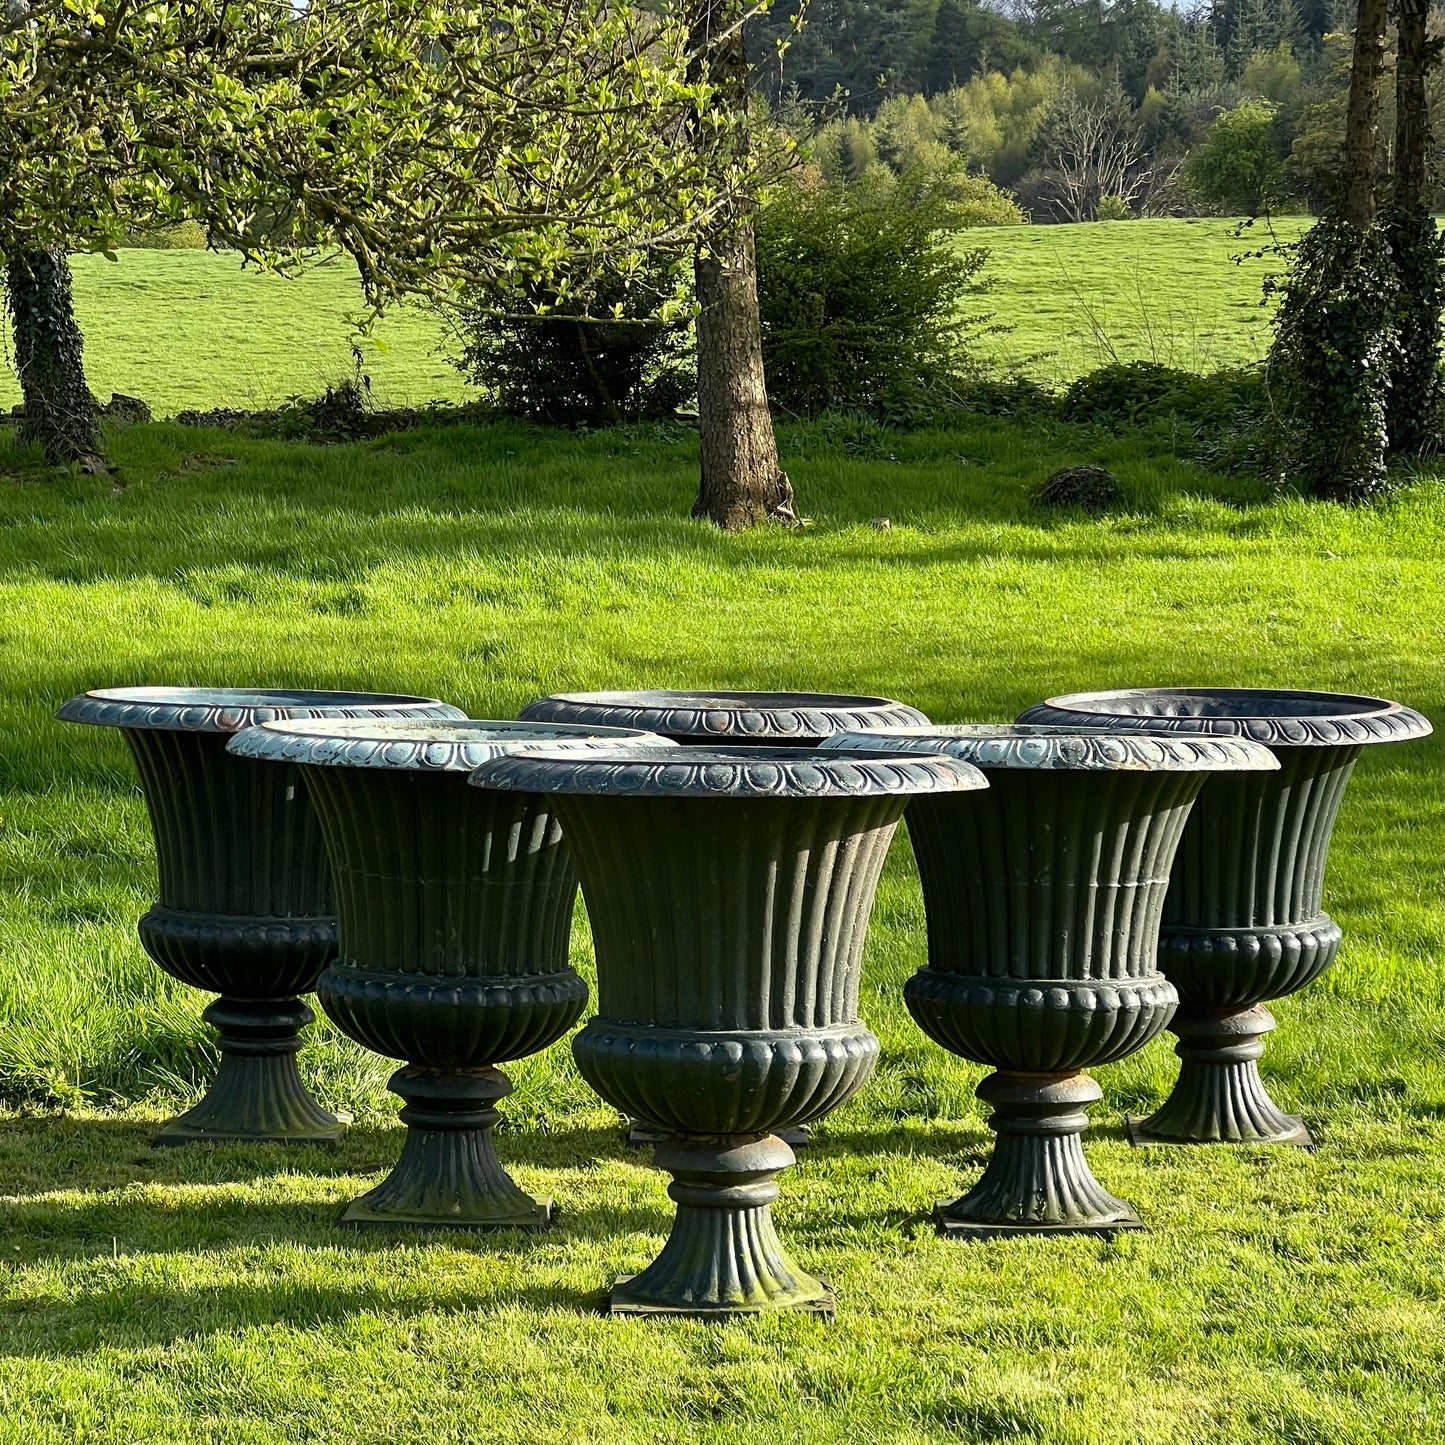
{"x":192,"y":329}
{"x":1186,"y":293}
{"x":207,"y":1294}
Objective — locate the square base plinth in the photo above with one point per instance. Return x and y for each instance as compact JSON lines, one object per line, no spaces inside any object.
{"x":618,"y":1304}
{"x":359,"y":1216}
{"x":177,"y":1133}
{"x":969,"y":1229}
{"x":1299,"y":1138}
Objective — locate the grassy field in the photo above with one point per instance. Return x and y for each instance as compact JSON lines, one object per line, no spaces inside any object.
{"x":192,"y":329}
{"x":1182,"y":292}
{"x":207,"y":1295}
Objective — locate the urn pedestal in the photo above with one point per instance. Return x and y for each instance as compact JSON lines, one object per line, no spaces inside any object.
{"x":729,"y":891}
{"x":454,"y":913}
{"x":246,"y":906}
{"x":1043,"y":899}
{"x":737,"y":719}
{"x":1243,"y":921}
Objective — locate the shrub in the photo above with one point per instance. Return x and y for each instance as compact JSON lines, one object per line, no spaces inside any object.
{"x":183,"y":236}
{"x":1222,"y":419}
{"x":546,"y":363}
{"x":1121,"y":394}
{"x":1115,"y":208}
{"x":860,"y":289}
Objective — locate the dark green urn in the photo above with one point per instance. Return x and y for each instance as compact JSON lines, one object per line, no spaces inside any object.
{"x":729,"y":891}
{"x":1043,"y":898}
{"x":454,"y":913}
{"x":738,"y":719}
{"x":1243,"y":921}
{"x":246,"y":908}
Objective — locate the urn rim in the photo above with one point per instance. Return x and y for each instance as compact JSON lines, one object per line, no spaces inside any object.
{"x":420,"y":744}
{"x":1024,"y":747}
{"x":1277,"y":717}
{"x":233,"y":709}
{"x":726,"y":714}
{"x":727,"y":773}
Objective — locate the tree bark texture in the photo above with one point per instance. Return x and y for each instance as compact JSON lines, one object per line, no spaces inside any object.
{"x":741,"y":481}
{"x":1416,"y":55}
{"x":50,"y":360}
{"x":1415,"y":416}
{"x":1362,"y":119}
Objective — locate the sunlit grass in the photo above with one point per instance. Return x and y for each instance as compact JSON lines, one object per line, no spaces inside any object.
{"x":192,"y":329}
{"x":209,"y":1295}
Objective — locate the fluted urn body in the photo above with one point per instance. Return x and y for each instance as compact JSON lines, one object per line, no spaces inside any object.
{"x":729,"y":891}
{"x":1043,"y":898}
{"x":454,"y":913}
{"x":737,"y":719}
{"x":1244,"y":921}
{"x":245,"y":908}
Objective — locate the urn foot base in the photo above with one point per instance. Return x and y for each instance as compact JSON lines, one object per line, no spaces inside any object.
{"x":956,"y":1228}
{"x":1295,"y":1134}
{"x":448,"y":1176}
{"x":1037,"y":1180}
{"x":621,"y":1302}
{"x":1219,"y":1097}
{"x":257,"y":1096}
{"x":723,"y":1256}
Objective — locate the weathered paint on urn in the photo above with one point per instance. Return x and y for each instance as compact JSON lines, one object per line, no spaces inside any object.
{"x":1043,"y":898}
{"x":1244,"y":920}
{"x":729,"y":891}
{"x":245,"y":908}
{"x":454,"y":912}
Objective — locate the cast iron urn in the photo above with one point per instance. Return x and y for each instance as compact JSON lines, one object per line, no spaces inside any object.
{"x":1043,"y":899}
{"x":729,"y":891}
{"x":762,"y":719}
{"x":454,"y":911}
{"x":1243,"y":922}
{"x":738,"y":719}
{"x":246,"y":906}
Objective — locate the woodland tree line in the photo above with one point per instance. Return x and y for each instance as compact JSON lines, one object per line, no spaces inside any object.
{"x":1079,"y":107}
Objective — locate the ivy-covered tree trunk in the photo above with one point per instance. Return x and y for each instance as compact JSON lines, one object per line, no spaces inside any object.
{"x":50,"y":360}
{"x":741,"y":481}
{"x":1335,"y":330}
{"x":1416,"y":409}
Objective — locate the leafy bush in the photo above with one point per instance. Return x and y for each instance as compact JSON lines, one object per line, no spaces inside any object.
{"x":183,"y":236}
{"x":1124,"y":393}
{"x":1329,"y":365}
{"x":1222,"y":419}
{"x":1115,"y":208}
{"x":860,"y":289}
{"x":546,"y":363}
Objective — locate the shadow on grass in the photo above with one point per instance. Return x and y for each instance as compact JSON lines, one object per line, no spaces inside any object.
{"x":140,"y":1316}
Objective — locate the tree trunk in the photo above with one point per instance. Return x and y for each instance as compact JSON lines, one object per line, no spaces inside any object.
{"x":1362,"y":119}
{"x":1412,"y":110}
{"x":1415,"y":417}
{"x":49,"y":359}
{"x":741,"y":480}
